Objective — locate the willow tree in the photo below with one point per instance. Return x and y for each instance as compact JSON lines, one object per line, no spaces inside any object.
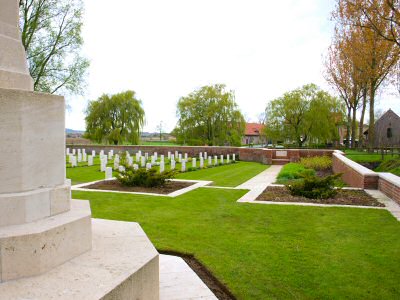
{"x":304,"y":114}
{"x":209,"y":116}
{"x":115,"y":119}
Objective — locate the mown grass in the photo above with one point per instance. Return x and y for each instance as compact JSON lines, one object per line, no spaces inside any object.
{"x":270,"y":251}
{"x":229,"y":175}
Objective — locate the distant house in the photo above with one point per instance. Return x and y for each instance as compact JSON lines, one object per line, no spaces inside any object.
{"x":254,"y":134}
{"x":387,"y":130}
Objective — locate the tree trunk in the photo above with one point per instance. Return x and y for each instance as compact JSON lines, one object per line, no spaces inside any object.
{"x":353,"y":128}
{"x":361,"y":125}
{"x":371,"y":127}
{"x":348,"y":126}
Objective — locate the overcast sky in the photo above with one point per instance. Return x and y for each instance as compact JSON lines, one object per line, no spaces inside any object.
{"x":164,"y":50}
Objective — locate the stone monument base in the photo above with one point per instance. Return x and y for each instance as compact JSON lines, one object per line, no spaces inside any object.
{"x":123,"y":264}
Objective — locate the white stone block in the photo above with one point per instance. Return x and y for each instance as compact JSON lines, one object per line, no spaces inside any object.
{"x":173,"y":164}
{"x":222,"y":159}
{"x":209,"y":160}
{"x":194,"y":164}
{"x":84,"y":157}
{"x":108,"y":172}
{"x":234,"y":157}
{"x":169,"y":155}
{"x":79,"y":157}
{"x":121,"y":168}
{"x":180,"y":157}
{"x":148,"y":166}
{"x":227,"y":159}
{"x":215,"y":160}
{"x":155,"y":155}
{"x":205,"y":155}
{"x":73,"y":151}
{"x":68,"y":151}
{"x":162,"y":166}
{"x":93,"y":153}
{"x":90,"y":160}
{"x":281,"y":153}
{"x":142,"y":161}
{"x":186,"y":156}
{"x":183,"y":166}
{"x":201,"y":163}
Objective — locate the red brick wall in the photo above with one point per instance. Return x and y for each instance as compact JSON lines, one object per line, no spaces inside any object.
{"x":353,"y":177}
{"x":390,"y":189}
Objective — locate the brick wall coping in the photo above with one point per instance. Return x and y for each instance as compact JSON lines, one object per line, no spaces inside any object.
{"x":393,"y":179}
{"x":355,"y":166}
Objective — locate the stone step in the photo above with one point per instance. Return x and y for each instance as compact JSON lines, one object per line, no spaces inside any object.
{"x":34,"y":248}
{"x":280,"y":161}
{"x":123,"y":264}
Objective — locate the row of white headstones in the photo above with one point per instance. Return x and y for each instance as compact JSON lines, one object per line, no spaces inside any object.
{"x":79,"y":155}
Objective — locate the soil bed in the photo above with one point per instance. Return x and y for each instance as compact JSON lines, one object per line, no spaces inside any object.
{"x":343,"y":197}
{"x":217,"y":287}
{"x":114,"y":185}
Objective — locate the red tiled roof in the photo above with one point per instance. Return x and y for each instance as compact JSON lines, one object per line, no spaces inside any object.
{"x":254,"y":129}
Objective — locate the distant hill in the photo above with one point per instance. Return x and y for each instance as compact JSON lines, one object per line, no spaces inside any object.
{"x":72,"y":131}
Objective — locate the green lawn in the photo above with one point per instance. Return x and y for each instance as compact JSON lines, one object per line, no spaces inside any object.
{"x":362,"y":156}
{"x":228,"y":175}
{"x":270,"y":251}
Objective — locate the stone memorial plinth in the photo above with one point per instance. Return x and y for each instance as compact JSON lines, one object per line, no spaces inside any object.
{"x":46,"y":245}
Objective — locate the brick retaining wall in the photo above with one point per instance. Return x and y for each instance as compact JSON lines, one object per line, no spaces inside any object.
{"x":354,"y":174}
{"x":389,"y":184}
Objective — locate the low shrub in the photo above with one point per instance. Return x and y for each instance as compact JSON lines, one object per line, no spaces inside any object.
{"x":144,"y":178}
{"x":293,"y":171}
{"x":317,"y":162}
{"x":314,"y":187}
{"x":390,"y":165}
{"x":191,"y":169}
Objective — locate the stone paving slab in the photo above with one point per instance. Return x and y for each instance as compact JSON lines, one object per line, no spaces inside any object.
{"x":259,"y":183}
{"x":179,"y":281}
{"x":391,"y":205}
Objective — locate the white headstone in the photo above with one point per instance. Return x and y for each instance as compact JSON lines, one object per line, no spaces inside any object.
{"x":183,"y":168}
{"x":200,"y":154}
{"x":222,"y":159}
{"x":215,"y":160}
{"x":74,"y":162}
{"x":84,"y":156}
{"x":172,"y":157}
{"x":146,"y":155}
{"x":176,"y":153}
{"x":162,"y":158}
{"x":108,"y":173}
{"x":142,"y":161}
{"x":205,"y":155}
{"x":186,"y":156}
{"x":172,"y":164}
{"x":79,"y":157}
{"x":137,"y":157}
{"x":162,"y":166}
{"x":121,"y":168}
{"x":209,"y":160}
{"x":148,"y":166}
{"x":135,"y":166}
{"x":233,"y":157}
{"x":73,"y":151}
{"x":101,"y":152}
{"x":155,"y":156}
{"x":90,"y":160}
{"x":93,"y":153}
{"x":180,"y":157}
{"x":67,"y":151}
{"x":153,"y":159}
{"x":227,"y":159}
{"x":112,"y":152}
{"x":201,"y":162}
{"x":70,"y":158}
{"x":116,"y":164}
{"x":194,"y":164}
{"x":103,"y":164}
{"x":130,"y":161}
{"x":169,"y":155}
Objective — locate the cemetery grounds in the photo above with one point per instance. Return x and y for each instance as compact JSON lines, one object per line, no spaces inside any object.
{"x":262,"y":251}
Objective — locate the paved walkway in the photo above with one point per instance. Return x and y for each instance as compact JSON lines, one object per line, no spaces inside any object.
{"x":179,"y":281}
{"x":259,"y":183}
{"x":390,"y":204}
